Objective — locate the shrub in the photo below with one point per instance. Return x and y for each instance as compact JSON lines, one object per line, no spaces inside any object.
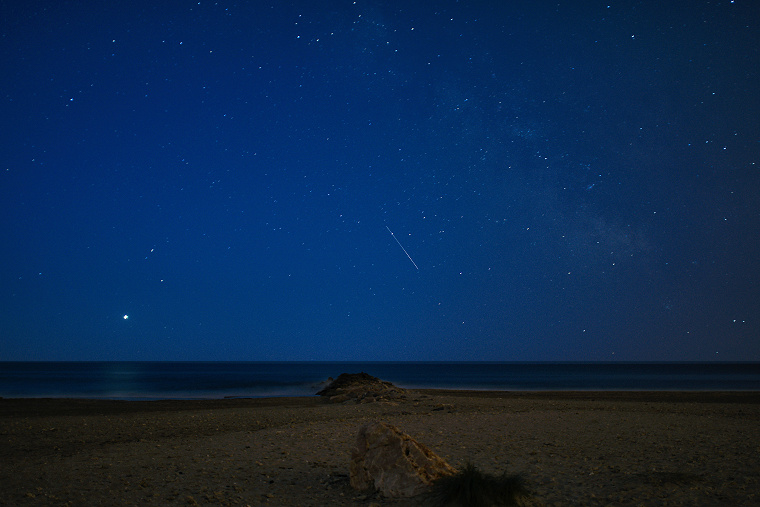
{"x":472,"y":488}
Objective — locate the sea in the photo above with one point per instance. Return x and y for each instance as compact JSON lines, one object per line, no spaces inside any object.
{"x":209,"y":380}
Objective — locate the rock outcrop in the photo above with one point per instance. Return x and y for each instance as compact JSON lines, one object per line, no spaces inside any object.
{"x":394,"y":463}
{"x":361,"y":388}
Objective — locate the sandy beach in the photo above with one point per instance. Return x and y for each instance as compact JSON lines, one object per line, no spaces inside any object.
{"x":572,"y":448}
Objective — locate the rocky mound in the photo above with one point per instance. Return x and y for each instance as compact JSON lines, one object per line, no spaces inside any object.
{"x":361,"y":388}
{"x":394,"y":463}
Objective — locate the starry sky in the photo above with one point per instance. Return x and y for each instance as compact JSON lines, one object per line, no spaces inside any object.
{"x":378,"y":180}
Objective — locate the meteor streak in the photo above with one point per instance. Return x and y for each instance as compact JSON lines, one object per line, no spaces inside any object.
{"x":402,"y":247}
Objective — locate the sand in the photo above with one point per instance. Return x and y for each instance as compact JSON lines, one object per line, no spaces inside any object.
{"x":606,"y":448}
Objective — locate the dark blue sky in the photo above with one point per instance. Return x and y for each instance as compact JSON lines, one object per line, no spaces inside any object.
{"x":570,"y":180}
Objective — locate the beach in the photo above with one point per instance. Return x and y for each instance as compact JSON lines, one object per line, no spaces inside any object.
{"x":571,"y":448}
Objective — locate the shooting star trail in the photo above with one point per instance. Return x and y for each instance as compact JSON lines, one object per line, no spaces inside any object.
{"x":402,"y":247}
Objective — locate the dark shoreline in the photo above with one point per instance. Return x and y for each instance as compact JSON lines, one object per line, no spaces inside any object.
{"x":648,"y":396}
{"x":31,"y":407}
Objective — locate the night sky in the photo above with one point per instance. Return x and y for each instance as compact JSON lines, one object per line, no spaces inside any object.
{"x":368,"y":180}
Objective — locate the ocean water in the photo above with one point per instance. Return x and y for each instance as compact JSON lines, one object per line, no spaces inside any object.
{"x":192,"y":380}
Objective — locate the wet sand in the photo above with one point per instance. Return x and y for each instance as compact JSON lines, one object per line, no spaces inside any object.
{"x":572,"y":448}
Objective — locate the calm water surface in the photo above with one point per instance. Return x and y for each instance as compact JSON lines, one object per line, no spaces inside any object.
{"x":183,"y":380}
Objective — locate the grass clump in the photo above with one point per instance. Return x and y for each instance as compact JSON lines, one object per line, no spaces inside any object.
{"x":472,"y":488}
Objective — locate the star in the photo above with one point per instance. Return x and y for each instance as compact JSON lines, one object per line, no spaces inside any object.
{"x":126,"y":316}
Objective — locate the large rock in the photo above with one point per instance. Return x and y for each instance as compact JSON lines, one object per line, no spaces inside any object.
{"x":393,"y":462}
{"x":361,"y":388}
